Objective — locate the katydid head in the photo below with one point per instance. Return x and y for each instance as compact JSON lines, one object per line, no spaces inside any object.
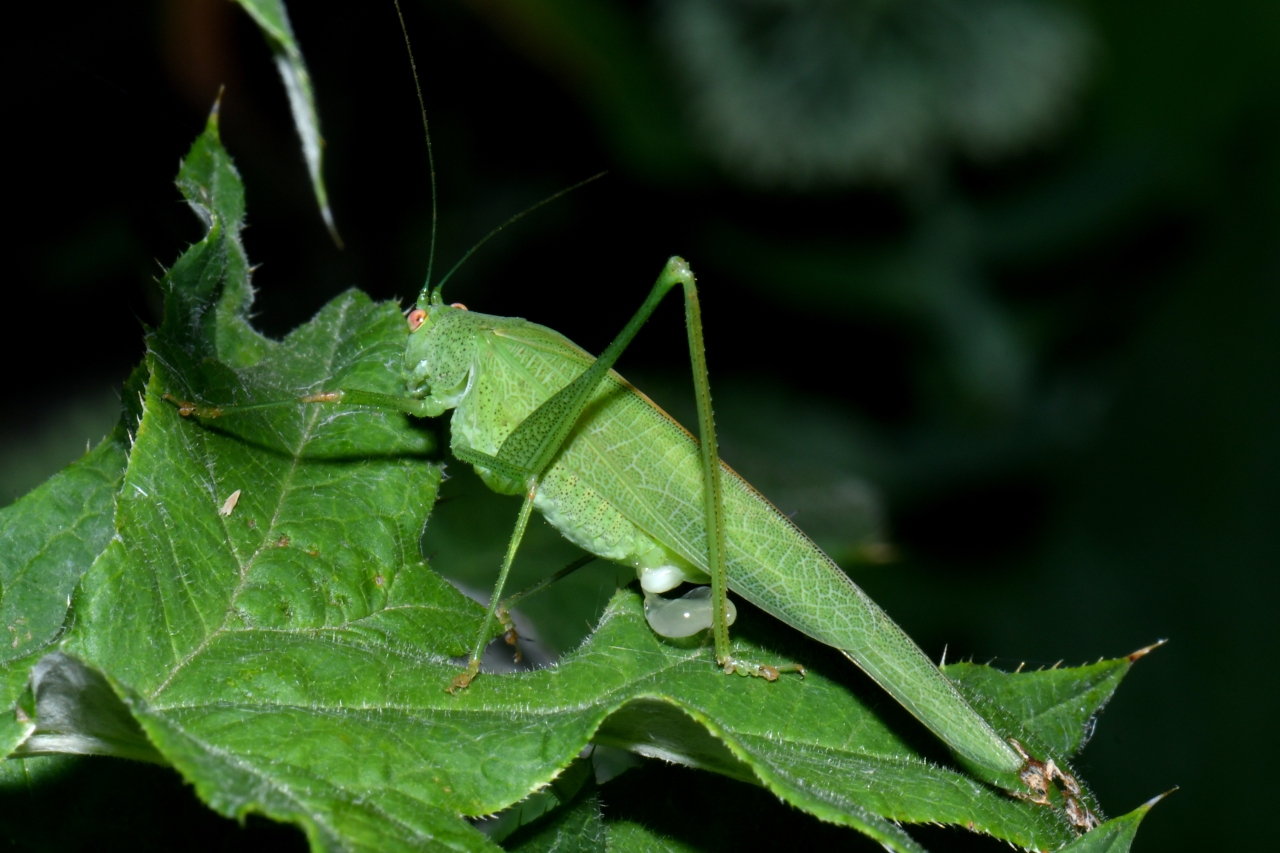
{"x":439,"y":355}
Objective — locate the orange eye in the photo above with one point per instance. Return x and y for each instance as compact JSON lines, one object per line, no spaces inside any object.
{"x":458,"y":305}
{"x":416,"y":318}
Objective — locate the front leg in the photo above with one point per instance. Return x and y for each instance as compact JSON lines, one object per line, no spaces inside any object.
{"x":463,"y":679}
{"x":420,"y":408}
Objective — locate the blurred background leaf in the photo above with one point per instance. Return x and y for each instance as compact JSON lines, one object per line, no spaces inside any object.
{"x":1039,"y":331}
{"x":273,"y":19}
{"x":806,"y":93}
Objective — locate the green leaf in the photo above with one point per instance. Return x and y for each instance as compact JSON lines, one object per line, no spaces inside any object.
{"x":77,"y":713}
{"x":1057,"y":705}
{"x":273,"y":20}
{"x":571,"y":786}
{"x":48,"y":539}
{"x":212,"y":187}
{"x":662,"y":807}
{"x":21,"y":775}
{"x":314,"y":568}
{"x":629,"y":837}
{"x":1115,"y":835}
{"x":313,"y":577}
{"x":576,"y":827}
{"x":215,"y":270}
{"x":833,"y":758}
{"x":324,"y":531}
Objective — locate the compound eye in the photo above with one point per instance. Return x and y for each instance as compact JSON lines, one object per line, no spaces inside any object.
{"x":416,"y":318}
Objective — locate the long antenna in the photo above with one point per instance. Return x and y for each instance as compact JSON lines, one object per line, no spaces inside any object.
{"x":520,"y":215}
{"x":431,"y":159}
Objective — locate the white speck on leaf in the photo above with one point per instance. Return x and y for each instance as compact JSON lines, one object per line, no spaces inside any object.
{"x":230,"y":504}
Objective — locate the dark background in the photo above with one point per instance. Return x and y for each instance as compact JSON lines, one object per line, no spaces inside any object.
{"x":1057,"y":362}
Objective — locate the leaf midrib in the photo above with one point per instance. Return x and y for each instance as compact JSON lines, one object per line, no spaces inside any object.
{"x":245,"y":566}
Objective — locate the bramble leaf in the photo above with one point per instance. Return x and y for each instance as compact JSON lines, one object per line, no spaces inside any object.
{"x":48,"y":539}
{"x":214,"y":273}
{"x":1058,"y":705}
{"x":629,"y":837}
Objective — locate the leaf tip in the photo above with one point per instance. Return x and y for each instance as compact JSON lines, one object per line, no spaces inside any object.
{"x":1146,"y":807}
{"x":327,"y":215}
{"x":1144,"y":651}
{"x":211,"y":126}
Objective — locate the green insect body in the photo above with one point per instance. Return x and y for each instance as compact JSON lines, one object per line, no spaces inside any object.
{"x":627,"y":485}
